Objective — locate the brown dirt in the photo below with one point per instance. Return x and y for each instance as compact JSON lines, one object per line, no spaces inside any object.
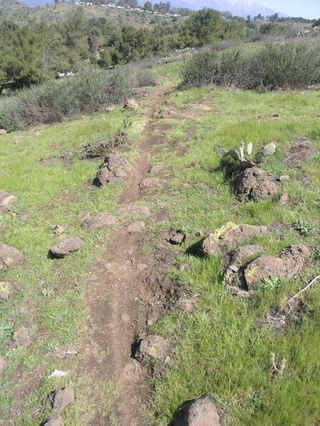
{"x":126,"y":293}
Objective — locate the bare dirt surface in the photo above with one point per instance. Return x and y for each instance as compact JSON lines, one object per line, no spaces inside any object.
{"x":127,"y":292}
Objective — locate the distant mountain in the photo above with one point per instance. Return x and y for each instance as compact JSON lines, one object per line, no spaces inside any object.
{"x":238,"y":7}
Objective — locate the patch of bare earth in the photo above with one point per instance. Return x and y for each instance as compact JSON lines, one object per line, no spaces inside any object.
{"x":127,"y":291}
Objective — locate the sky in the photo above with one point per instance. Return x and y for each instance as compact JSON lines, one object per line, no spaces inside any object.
{"x":305,"y":8}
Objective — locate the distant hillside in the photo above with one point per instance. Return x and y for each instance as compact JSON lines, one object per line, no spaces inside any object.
{"x":236,"y":7}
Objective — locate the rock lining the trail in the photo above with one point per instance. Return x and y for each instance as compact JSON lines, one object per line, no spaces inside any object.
{"x":114,"y":169}
{"x":255,"y":184}
{"x":176,"y":237}
{"x":301,"y":151}
{"x":7,"y":202}
{"x":231,"y":235}
{"x":100,"y":220}
{"x":136,"y":210}
{"x":152,"y":347}
{"x":248,"y":265}
{"x":136,"y":227}
{"x":131,"y":104}
{"x":9,"y":257}
{"x":66,"y":247}
{"x":61,"y":398}
{"x":198,"y":412}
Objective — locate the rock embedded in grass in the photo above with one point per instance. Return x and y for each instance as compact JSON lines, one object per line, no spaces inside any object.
{"x":137,"y":210}
{"x":301,"y":151}
{"x":176,"y":237}
{"x":9,"y":257}
{"x":6,"y":290}
{"x":100,"y":220}
{"x":255,"y":184}
{"x":3,"y":132}
{"x":7,"y":202}
{"x":152,"y":347}
{"x":54,"y":420}
{"x":66,"y":247}
{"x":136,"y":227}
{"x":230,"y":235}
{"x":131,"y":104}
{"x":61,"y":398}
{"x":21,"y":338}
{"x":114,"y":169}
{"x":198,"y":412}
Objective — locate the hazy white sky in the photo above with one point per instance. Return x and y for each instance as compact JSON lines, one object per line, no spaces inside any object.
{"x":305,"y":8}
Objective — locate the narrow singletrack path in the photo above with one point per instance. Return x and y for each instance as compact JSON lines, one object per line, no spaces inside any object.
{"x":119,"y":294}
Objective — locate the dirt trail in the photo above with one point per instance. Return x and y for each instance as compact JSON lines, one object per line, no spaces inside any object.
{"x":124,"y":293}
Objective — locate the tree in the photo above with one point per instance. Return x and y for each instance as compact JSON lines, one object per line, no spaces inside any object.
{"x":148,"y":6}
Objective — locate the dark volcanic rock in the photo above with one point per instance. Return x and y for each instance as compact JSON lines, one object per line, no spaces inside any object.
{"x":154,"y":347}
{"x":67,"y":246}
{"x":9,"y":256}
{"x":61,"y":398}
{"x":176,"y":237}
{"x":254,"y":184}
{"x":114,"y":169}
{"x":100,"y":220}
{"x":199,"y":412}
{"x":299,"y":153}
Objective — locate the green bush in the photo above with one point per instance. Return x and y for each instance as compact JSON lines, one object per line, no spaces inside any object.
{"x":268,"y":67}
{"x":89,"y":91}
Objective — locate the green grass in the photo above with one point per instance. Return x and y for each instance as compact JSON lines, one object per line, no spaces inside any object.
{"x":50,"y":301}
{"x":218,"y":350}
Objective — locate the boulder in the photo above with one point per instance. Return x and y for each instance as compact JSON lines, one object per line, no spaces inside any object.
{"x":53,"y":421}
{"x":131,"y":104}
{"x":7,"y":202}
{"x":113,"y":169}
{"x":198,"y":412}
{"x":67,"y":246}
{"x":9,"y":256}
{"x":176,"y":237}
{"x":61,"y":398}
{"x":152,"y":347}
{"x":6,"y":290}
{"x":299,"y":153}
{"x":254,"y":184}
{"x":229,"y":235}
{"x":21,"y":338}
{"x":100,"y":220}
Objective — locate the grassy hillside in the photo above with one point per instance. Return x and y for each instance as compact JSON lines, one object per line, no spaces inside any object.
{"x":224,"y":346}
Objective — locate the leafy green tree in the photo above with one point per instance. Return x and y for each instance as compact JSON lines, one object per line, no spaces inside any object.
{"x":148,"y":6}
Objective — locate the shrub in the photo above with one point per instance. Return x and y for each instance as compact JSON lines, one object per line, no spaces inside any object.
{"x":268,"y":67}
{"x":89,"y":91}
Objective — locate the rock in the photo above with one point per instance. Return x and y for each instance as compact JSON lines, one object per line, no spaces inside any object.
{"x":6,"y":290}
{"x":138,"y":210}
{"x":235,"y":260}
{"x":154,"y":347}
{"x":53,"y":421}
{"x":61,"y":398}
{"x":9,"y":256}
{"x":113,"y":169}
{"x":58,"y":229}
{"x":149,"y":182}
{"x":176,"y":237}
{"x":21,"y":338}
{"x":284,"y":199}
{"x":264,"y":267}
{"x":254,"y":184}
{"x":186,"y":305}
{"x":230,"y":235}
{"x":67,"y":246}
{"x":289,"y":264}
{"x":283,"y":178}
{"x":131,"y":104}
{"x":100,"y":220}
{"x":198,"y":412}
{"x":136,"y":227}
{"x":156,"y":170}
{"x":299,"y":153}
{"x":3,"y":132}
{"x":2,"y":365}
{"x":165,"y":112}
{"x":7,"y":202}
{"x":110,"y":108}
